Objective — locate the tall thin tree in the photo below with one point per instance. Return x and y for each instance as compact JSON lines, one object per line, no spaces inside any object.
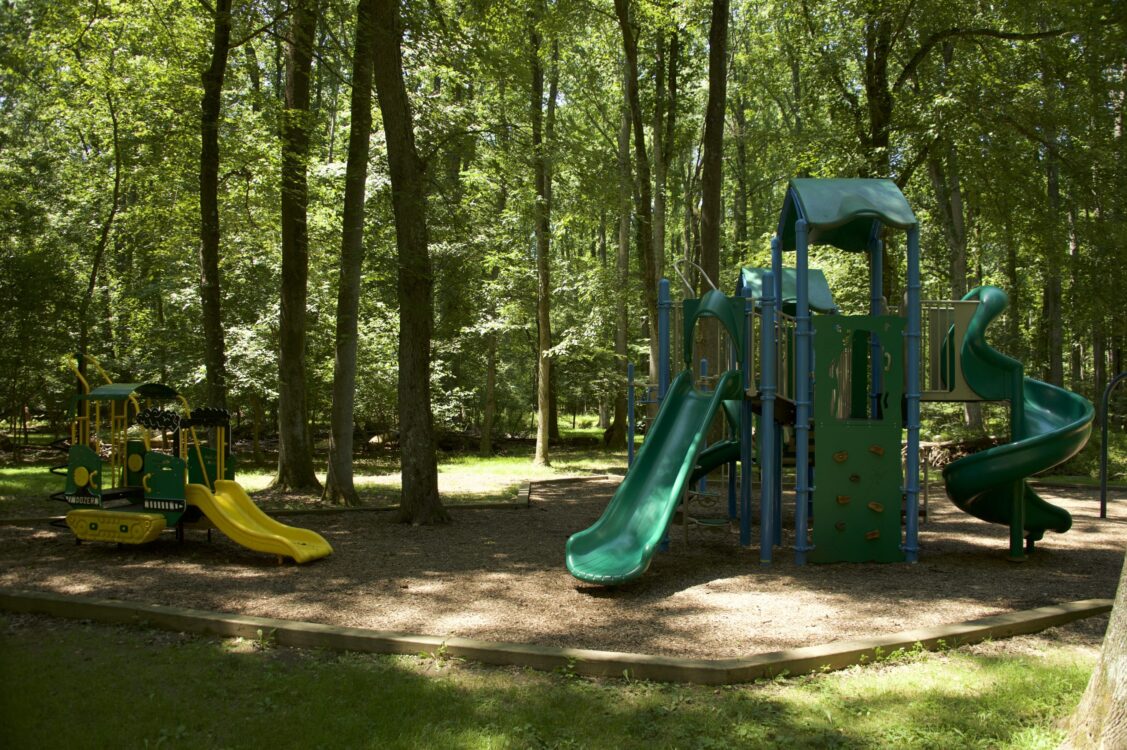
{"x":295,"y":447}
{"x":215,"y":353}
{"x":339,"y":486}
{"x":419,"y":502}
{"x":541,"y":221}
{"x":712,"y":170}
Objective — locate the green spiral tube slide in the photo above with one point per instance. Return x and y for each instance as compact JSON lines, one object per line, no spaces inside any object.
{"x":1049,"y":426}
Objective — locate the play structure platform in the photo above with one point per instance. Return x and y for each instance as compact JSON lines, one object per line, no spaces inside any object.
{"x":137,"y":465}
{"x":794,"y":367}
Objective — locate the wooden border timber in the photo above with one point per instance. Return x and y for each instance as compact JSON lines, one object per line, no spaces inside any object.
{"x":588,"y":662}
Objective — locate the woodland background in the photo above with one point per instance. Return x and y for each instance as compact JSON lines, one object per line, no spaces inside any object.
{"x":151,"y":211}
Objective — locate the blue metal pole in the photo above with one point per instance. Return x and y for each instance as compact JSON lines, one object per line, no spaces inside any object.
{"x":664,"y":307}
{"x":702,"y":483}
{"x":802,"y":362}
{"x":768,"y":475}
{"x":630,"y":424}
{"x":912,"y":394}
{"x":876,"y":298}
{"x":746,"y":415}
{"x":1105,"y":400}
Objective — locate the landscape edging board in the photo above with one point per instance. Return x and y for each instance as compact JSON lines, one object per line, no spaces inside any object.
{"x":830,"y":656}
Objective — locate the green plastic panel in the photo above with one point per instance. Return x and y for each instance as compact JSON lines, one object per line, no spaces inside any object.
{"x":730,"y":311}
{"x":857,"y":495}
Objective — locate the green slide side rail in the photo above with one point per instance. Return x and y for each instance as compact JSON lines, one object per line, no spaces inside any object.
{"x":1051,"y":425}
{"x":619,"y":546}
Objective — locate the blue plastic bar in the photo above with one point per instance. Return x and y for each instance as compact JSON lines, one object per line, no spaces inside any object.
{"x":802,"y":370}
{"x":768,"y":467}
{"x":746,"y":415}
{"x":664,"y":307}
{"x":912,"y":393}
{"x":630,"y":424}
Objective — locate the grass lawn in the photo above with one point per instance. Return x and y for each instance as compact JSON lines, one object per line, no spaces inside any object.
{"x":73,"y":684}
{"x":463,"y":478}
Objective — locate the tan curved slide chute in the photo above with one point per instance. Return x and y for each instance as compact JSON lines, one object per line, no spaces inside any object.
{"x":235,"y":514}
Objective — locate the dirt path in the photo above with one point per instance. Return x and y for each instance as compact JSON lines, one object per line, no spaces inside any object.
{"x":500,"y":575}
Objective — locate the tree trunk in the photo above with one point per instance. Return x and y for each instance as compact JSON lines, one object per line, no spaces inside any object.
{"x":485,"y":445}
{"x":339,"y":487}
{"x":616,"y":435}
{"x":419,"y":502}
{"x":1053,"y":326}
{"x":642,"y":196}
{"x":541,"y":221}
{"x":1100,"y":721}
{"x":712,"y":176}
{"x":215,"y":352}
{"x":295,"y":449}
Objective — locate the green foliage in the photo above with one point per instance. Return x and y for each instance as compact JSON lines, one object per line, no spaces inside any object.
{"x":1026,"y":120}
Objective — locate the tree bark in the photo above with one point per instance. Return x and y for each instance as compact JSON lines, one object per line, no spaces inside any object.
{"x":712,"y":175}
{"x":215,"y":352}
{"x":642,"y":196}
{"x":1100,"y":721}
{"x":339,"y":486}
{"x":616,"y":435}
{"x":295,"y":448}
{"x":485,"y":445}
{"x":103,"y":242}
{"x":541,"y":221}
{"x":419,"y":502}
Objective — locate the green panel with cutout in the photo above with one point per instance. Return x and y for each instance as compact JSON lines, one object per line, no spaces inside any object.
{"x":857,"y":487}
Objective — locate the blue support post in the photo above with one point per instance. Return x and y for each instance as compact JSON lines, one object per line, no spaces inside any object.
{"x":768,"y":467}
{"x":702,"y":483}
{"x":664,"y":307}
{"x":746,"y":415}
{"x":912,"y":394}
{"x":1105,"y":401}
{"x":630,"y":424}
{"x":876,"y":299}
{"x":802,"y":369}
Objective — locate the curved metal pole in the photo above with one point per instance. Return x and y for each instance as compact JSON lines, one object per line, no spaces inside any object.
{"x":1104,"y":402}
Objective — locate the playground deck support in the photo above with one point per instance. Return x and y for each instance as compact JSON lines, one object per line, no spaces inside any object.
{"x":912,"y":397}
{"x":746,"y":415}
{"x":768,"y":476}
{"x":802,"y":367}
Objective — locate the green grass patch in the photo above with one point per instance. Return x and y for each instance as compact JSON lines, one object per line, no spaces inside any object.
{"x":143,"y":688}
{"x":462,"y":478}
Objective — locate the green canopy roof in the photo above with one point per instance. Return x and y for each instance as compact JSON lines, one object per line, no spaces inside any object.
{"x":843,"y":212}
{"x":818,"y":289}
{"x":122,"y":391}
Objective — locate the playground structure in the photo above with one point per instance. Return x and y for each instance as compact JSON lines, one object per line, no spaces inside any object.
{"x":856,"y":381}
{"x":137,"y":465}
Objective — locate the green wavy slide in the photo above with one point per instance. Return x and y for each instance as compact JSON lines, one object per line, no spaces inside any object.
{"x":1051,"y":426}
{"x":619,"y":546}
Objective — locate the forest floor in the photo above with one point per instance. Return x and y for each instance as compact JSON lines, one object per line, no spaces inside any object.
{"x":499,"y":574}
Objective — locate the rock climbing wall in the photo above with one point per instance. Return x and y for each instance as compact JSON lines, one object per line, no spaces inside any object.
{"x":858,"y":388}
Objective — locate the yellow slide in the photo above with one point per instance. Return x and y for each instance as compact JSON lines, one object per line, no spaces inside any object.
{"x":235,"y":514}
